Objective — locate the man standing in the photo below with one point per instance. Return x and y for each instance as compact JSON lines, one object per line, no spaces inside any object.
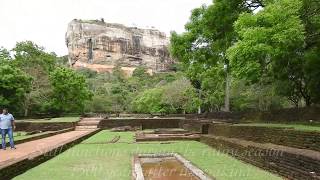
{"x":7,"y":125}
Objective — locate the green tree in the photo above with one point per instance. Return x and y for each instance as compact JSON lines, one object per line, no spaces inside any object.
{"x":14,"y":84}
{"x":213,"y":87}
{"x":202,"y":48}
{"x":99,"y":104}
{"x":34,"y":61}
{"x":180,"y":96}
{"x":274,"y":45}
{"x":4,"y":55}
{"x":149,"y":101}
{"x":70,"y":91}
{"x":119,"y":97}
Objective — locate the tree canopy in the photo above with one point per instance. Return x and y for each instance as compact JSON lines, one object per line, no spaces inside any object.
{"x":262,"y":43}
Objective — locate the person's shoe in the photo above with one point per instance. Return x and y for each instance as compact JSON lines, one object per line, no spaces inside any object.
{"x":4,"y":149}
{"x":13,"y":148}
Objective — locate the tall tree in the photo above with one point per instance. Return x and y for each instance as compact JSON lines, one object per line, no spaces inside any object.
{"x":14,"y":84}
{"x":70,"y":91}
{"x":203,"y":46}
{"x":34,"y":61}
{"x":275,"y":47}
{"x":4,"y":55}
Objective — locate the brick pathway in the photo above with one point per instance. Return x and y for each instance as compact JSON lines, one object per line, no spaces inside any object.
{"x":35,"y":148}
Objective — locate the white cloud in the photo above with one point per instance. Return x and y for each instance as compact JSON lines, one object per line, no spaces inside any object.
{"x":45,"y":21}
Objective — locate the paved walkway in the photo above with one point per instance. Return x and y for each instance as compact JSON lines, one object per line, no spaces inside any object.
{"x":32,"y":149}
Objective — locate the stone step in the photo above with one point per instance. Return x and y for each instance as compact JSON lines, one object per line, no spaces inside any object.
{"x":91,"y":119}
{"x":85,"y":128}
{"x":86,"y":123}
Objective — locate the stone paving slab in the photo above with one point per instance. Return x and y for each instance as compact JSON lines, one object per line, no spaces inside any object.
{"x":32,"y":149}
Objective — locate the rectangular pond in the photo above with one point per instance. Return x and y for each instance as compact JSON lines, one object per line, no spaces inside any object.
{"x":167,"y":135}
{"x":165,"y":167}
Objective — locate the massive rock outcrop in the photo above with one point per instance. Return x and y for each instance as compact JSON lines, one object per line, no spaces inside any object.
{"x":102,"y":46}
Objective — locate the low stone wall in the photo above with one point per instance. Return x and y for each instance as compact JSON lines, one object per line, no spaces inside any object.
{"x":143,"y":123}
{"x":36,"y":126}
{"x":279,"y":160}
{"x":282,"y":115}
{"x":195,"y":125}
{"x":280,"y":136}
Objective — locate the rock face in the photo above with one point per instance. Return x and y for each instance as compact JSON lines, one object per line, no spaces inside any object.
{"x":102,"y":46}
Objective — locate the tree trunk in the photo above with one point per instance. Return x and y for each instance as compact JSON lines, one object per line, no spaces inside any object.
{"x":227,"y":94}
{"x":26,"y":112}
{"x":308,"y":101}
{"x":199,"y":108}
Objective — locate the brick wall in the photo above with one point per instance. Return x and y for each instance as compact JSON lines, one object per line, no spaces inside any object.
{"x":281,"y":115}
{"x":279,"y":161}
{"x":194,"y":125}
{"x":143,"y":123}
{"x":280,"y":136}
{"x":35,"y":126}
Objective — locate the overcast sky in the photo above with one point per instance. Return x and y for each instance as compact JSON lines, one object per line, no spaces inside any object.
{"x":45,"y":21}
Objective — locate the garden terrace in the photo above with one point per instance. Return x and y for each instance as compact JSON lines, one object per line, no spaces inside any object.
{"x":288,"y":150}
{"x":91,"y":158}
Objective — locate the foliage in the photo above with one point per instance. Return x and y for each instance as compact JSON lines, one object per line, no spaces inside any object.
{"x":99,"y":104}
{"x":34,"y":81}
{"x":202,"y":48}
{"x":175,"y":97}
{"x":4,"y":56}
{"x":142,"y":92}
{"x":14,"y":85}
{"x":213,"y":86}
{"x":37,"y":63}
{"x":70,"y":91}
{"x":269,"y":51}
{"x":272,"y":48}
{"x":181,"y":96}
{"x":150,"y":102}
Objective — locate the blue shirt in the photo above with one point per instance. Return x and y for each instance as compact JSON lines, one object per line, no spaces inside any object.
{"x":6,"y":121}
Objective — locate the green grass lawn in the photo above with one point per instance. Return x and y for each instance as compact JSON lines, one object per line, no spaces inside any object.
{"x":60,"y":119}
{"x":299,"y":127}
{"x":113,"y":161}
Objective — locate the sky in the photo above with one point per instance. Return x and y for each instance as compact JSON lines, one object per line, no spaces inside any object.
{"x":45,"y":21}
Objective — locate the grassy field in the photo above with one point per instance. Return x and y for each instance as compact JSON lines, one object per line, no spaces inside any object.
{"x":91,"y":160}
{"x":60,"y":119}
{"x":299,"y":127}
